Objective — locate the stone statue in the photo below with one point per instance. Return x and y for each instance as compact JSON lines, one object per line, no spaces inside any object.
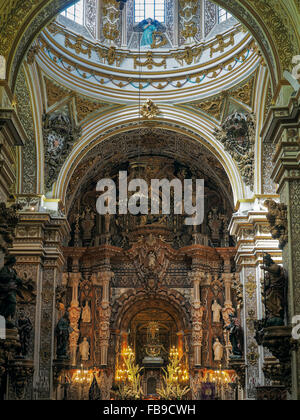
{"x":62,"y":332}
{"x":86,"y":313}
{"x":107,"y":221}
{"x":216,"y":309}
{"x":275,"y":289}
{"x":277,"y":218}
{"x":8,"y":221}
{"x":87,"y":223}
{"x":235,"y":337}
{"x":84,"y":349}
{"x":218,"y":350}
{"x":24,"y":326}
{"x":215,"y":224}
{"x":10,"y":287}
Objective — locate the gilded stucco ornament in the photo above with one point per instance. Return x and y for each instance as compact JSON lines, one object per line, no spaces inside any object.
{"x":12,"y":17}
{"x":149,"y":62}
{"x":24,"y":109}
{"x":188,"y":56}
{"x":237,"y":134}
{"x":111,"y":22}
{"x":187,"y":13}
{"x":80,"y":47}
{"x":221,"y":44}
{"x":273,"y":14}
{"x":252,"y":356}
{"x":212,"y":106}
{"x":276,"y":19}
{"x":250,"y":286}
{"x":149,"y":110}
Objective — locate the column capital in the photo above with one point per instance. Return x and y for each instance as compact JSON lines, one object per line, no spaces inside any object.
{"x":105,"y":276}
{"x":74,"y":279}
{"x":280,"y":118}
{"x":253,"y":237}
{"x":102,"y":277}
{"x":227,"y":277}
{"x":196,"y":275}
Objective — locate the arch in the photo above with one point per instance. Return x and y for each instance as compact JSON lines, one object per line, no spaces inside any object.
{"x":134,"y":301}
{"x":263,"y":22}
{"x":200,"y":129}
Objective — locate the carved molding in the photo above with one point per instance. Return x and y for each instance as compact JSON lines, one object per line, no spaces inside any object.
{"x":237,"y":134}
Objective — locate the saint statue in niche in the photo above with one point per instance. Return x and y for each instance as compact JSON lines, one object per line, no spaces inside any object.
{"x":151,"y":29}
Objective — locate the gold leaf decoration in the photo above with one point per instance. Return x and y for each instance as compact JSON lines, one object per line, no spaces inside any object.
{"x":84,"y":107}
{"x":54,"y":92}
{"x":252,"y":355}
{"x":250,"y":286}
{"x":212,"y":106}
{"x":244,"y":92}
{"x":149,"y":110}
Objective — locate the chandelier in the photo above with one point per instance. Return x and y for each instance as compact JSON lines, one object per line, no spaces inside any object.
{"x":82,"y":376}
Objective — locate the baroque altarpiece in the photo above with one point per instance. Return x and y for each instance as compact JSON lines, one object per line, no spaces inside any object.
{"x":176,"y":90}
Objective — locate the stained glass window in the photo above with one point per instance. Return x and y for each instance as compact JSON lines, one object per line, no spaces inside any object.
{"x":144,"y":9}
{"x":223,"y":15}
{"x":75,"y":12}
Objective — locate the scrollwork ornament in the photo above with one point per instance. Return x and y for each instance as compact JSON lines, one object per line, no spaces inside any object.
{"x":237,"y":134}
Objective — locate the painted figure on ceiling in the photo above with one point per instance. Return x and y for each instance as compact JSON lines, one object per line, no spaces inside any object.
{"x":149,"y":27}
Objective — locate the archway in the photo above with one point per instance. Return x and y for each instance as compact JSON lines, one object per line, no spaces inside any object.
{"x":152,"y":326}
{"x":94,"y":144}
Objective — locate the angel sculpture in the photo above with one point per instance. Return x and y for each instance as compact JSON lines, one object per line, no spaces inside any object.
{"x":150,"y":28}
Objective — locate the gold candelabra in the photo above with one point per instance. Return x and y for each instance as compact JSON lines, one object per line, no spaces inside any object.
{"x":221,"y":378}
{"x":182,"y":374}
{"x":82,"y":376}
{"x":122,"y":370}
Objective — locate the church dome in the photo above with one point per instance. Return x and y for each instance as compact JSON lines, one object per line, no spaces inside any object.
{"x":148,"y":49}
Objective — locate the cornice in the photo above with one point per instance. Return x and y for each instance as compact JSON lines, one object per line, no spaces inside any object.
{"x":280,"y":117}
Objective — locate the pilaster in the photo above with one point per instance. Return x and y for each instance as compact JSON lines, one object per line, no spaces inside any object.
{"x":37,"y":247}
{"x":282,"y":128}
{"x":250,"y":228}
